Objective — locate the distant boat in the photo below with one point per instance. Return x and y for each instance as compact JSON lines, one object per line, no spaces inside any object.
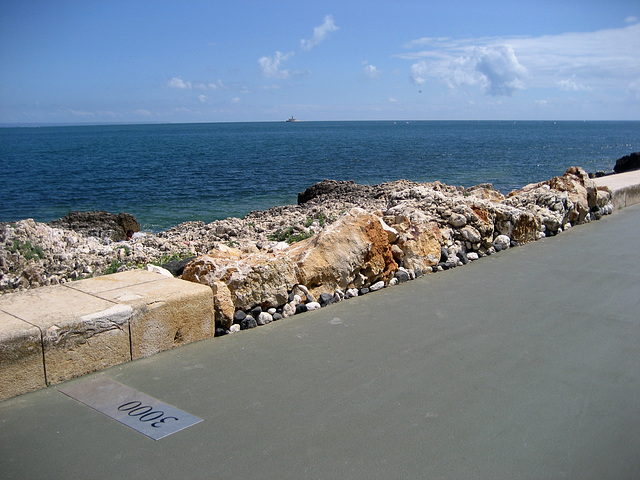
{"x":293,"y":119}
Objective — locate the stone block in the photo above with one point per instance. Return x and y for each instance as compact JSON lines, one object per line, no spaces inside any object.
{"x":21,"y":361}
{"x":167,"y":312}
{"x":80,"y":333}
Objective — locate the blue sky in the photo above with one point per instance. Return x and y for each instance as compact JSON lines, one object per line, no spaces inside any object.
{"x":216,"y":61}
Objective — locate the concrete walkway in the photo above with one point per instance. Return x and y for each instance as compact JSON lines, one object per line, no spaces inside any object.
{"x":524,"y":365}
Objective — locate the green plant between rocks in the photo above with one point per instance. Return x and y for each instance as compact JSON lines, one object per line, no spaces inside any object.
{"x":27,"y":250}
{"x":289,"y":235}
{"x":113,"y":268}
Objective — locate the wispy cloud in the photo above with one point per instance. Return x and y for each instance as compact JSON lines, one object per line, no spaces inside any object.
{"x":319,"y":33}
{"x":271,"y":67}
{"x":180,"y":84}
{"x":584,"y":61}
{"x":573,"y":85}
{"x":177,"y":82}
{"x":371,"y":71}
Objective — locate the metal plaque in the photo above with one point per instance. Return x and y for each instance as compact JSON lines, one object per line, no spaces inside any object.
{"x":141,"y":412}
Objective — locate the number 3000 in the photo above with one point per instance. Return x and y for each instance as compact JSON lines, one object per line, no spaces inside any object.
{"x":145,"y":413}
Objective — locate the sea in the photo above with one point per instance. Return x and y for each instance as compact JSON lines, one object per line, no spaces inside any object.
{"x":166,"y":174}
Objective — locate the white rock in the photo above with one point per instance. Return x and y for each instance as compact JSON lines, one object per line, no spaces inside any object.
{"x":303,"y":289}
{"x":501,"y":242}
{"x":472,"y":256}
{"x":289,"y":310}
{"x":352,"y":292}
{"x":234,"y":328}
{"x":457,"y":220}
{"x":471,"y":234}
{"x":377,"y":286}
{"x":313,"y":306}
{"x":264,"y":318}
{"x":271,"y":311}
{"x":392,"y":233}
{"x":160,"y":270}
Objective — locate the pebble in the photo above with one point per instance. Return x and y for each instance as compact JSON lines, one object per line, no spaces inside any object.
{"x":248,"y":322}
{"x":326,"y":299}
{"x":264,"y":318}
{"x":350,"y":293}
{"x":377,"y":286}
{"x":501,"y":242}
{"x":312,"y":306}
{"x":401,"y":276}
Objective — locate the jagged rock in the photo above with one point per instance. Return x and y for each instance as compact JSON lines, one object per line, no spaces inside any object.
{"x":99,"y":224}
{"x":253,"y":279}
{"x":627,"y":163}
{"x":356,"y":244}
{"x":420,"y":244}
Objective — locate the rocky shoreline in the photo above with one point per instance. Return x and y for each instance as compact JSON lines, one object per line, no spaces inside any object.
{"x":341,"y":240}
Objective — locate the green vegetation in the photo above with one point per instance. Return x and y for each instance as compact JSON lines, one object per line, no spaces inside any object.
{"x":322,"y":220}
{"x":166,"y":258}
{"x":289,"y":235}
{"x":27,"y":250}
{"x":113,"y":268}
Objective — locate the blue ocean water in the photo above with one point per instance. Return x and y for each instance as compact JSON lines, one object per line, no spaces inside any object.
{"x":167,"y":174}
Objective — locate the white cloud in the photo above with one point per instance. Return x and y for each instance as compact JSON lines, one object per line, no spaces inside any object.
{"x":371,"y":71}
{"x":583,"y":61}
{"x":271,"y":66}
{"x":496,"y":68}
{"x":202,"y":98}
{"x":631,"y":19}
{"x":216,"y":85}
{"x":235,"y":100}
{"x":177,"y":82}
{"x":572,"y":85}
{"x":502,"y":71}
{"x":319,"y":33}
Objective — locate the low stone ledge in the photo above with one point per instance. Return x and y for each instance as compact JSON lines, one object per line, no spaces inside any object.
{"x":80,"y":333}
{"x":52,"y":334}
{"x":167,"y":312}
{"x":21,"y":361}
{"x":624,"y":188}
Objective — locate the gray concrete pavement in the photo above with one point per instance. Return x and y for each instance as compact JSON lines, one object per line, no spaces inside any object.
{"x":524,"y":365}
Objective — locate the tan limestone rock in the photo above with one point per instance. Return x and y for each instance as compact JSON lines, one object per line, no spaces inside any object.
{"x":525,"y":228}
{"x":356,"y":245}
{"x":252,"y":279}
{"x":21,"y":361}
{"x":420,"y":244}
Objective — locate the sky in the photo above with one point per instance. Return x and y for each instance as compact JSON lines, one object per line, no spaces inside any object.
{"x":112,"y":61}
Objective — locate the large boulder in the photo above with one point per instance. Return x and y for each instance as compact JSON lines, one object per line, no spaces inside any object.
{"x":244,"y":279}
{"x":355,"y":249}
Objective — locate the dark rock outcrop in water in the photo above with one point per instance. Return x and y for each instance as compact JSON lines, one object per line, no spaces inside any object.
{"x":102,"y":225}
{"x":627,"y":163}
